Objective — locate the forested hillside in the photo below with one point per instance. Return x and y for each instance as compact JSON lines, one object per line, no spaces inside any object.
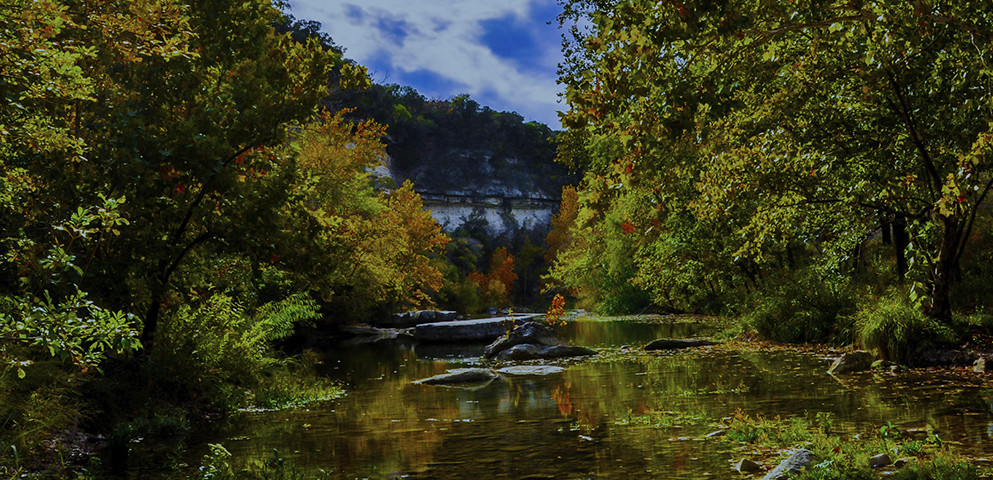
{"x":457,"y":145}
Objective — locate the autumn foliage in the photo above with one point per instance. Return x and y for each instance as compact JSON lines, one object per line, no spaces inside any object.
{"x":497,"y":284}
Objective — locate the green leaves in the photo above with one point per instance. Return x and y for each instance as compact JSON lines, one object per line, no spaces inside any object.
{"x":785,"y":124}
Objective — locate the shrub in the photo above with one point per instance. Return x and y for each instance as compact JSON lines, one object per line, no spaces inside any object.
{"x":805,"y":308}
{"x":896,"y":329}
{"x":218,"y":350}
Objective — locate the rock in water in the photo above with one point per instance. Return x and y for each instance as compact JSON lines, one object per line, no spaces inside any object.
{"x":529,"y":332}
{"x":800,"y":459}
{"x":485,"y":329}
{"x":746,"y":466}
{"x":524,"y":351}
{"x":677,"y":343}
{"x":460,"y":376}
{"x":852,"y":362}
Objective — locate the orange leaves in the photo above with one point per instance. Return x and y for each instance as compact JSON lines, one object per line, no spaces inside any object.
{"x":497,"y":284}
{"x":502,"y":267}
{"x":556,"y":311}
{"x":628,"y":227}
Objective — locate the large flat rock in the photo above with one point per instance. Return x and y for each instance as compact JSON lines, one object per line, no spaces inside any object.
{"x":481,"y":329}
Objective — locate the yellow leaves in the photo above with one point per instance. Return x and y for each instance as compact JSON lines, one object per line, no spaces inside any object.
{"x":951,"y":199}
{"x":354,"y":76}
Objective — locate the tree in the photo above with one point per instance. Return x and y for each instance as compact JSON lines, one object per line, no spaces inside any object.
{"x":562,"y":222}
{"x":805,"y":123}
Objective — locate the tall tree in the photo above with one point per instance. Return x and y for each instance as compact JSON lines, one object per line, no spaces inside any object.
{"x":809,"y":121}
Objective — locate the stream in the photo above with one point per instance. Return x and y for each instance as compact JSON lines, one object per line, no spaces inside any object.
{"x":580,"y":423}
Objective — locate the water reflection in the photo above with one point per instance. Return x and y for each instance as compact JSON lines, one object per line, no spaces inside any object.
{"x":572,"y":424}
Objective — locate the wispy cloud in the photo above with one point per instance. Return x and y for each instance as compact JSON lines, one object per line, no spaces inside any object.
{"x":502,"y":53}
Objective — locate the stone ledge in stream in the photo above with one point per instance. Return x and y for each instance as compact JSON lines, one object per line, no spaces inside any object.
{"x":459,"y":377}
{"x":677,"y":343}
{"x":410,"y":319}
{"x":481,"y":329}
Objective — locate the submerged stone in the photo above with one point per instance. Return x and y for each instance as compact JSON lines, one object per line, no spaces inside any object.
{"x":531,"y":370}
{"x":800,"y":459}
{"x":677,"y":343}
{"x":460,"y":376}
{"x":559,"y":351}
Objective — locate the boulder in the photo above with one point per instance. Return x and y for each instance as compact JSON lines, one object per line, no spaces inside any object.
{"x":880,"y":460}
{"x":528,"y":332}
{"x":524,"y":351}
{"x":530,"y":370}
{"x":677,"y":343}
{"x":852,"y":362}
{"x":461,"y":376}
{"x":746,"y":466}
{"x":796,"y":462}
{"x":532,"y":340}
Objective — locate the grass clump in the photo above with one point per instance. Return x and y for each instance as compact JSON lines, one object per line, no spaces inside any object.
{"x":803,"y":309}
{"x":896,"y":329}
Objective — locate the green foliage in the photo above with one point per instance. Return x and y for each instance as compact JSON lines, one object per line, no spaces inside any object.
{"x":461,"y":138}
{"x":36,"y":408}
{"x":217,"y":349}
{"x":810,"y":124}
{"x":842,"y":458}
{"x":896,"y":329}
{"x":49,"y":310}
{"x":944,"y":466}
{"x":806,"y":307}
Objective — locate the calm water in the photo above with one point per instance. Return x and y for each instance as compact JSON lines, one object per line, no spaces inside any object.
{"x":573,"y":424}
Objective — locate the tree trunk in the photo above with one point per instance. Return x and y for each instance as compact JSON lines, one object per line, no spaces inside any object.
{"x":900,"y":242}
{"x":941,"y":273}
{"x":151,"y":324}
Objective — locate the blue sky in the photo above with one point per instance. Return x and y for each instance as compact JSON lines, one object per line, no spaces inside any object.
{"x":503,"y":53}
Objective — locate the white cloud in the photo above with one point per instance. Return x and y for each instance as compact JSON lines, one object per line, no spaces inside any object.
{"x":442,"y":37}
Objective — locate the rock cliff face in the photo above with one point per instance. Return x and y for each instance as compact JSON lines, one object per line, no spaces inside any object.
{"x":505,"y":193}
{"x":501,"y":213}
